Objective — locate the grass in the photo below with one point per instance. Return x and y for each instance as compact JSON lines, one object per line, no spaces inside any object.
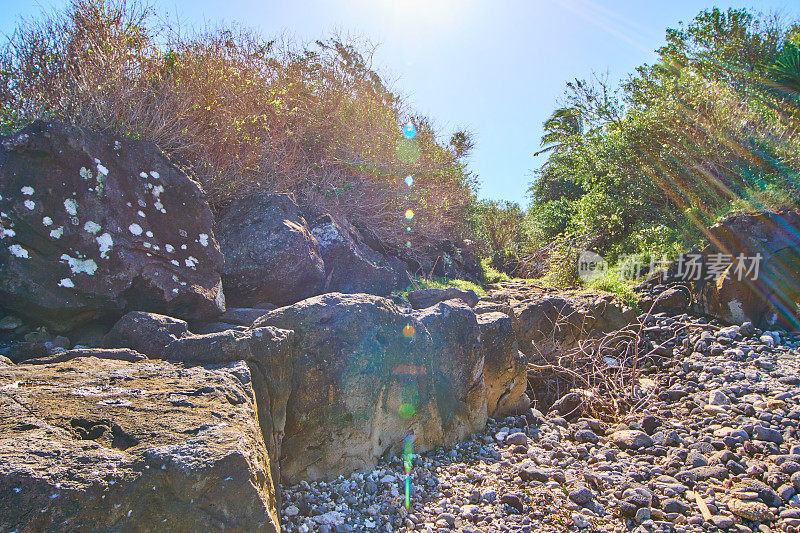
{"x":418,"y":283}
{"x":489,"y":274}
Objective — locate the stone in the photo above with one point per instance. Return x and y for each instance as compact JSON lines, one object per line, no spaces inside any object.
{"x":244,"y":316}
{"x":10,"y":322}
{"x":505,"y":368}
{"x":672,"y":301}
{"x":767,"y":434}
{"x":269,"y":354}
{"x":765,"y":301}
{"x":350,"y":266}
{"x":147,"y":333}
{"x":717,"y":397}
{"x":751,"y":510}
{"x":369,"y":374}
{"x":581,"y":495}
{"x":109,"y":432}
{"x":631,"y":439}
{"x":420,"y":299}
{"x":95,"y":232}
{"x":513,"y":501}
{"x":517,"y":438}
{"x":270,"y":254}
{"x":116,"y":354}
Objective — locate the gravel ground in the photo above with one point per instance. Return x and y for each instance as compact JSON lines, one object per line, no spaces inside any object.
{"x":720,"y":428}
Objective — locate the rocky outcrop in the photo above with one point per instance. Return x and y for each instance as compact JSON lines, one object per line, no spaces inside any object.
{"x":350,"y":266}
{"x":505,"y":368}
{"x":269,"y":353}
{"x":95,"y":444}
{"x":768,"y":297}
{"x":423,"y":298}
{"x":270,"y":254}
{"x":147,"y":333}
{"x":367,"y":375}
{"x":549,"y":321}
{"x":749,"y":272}
{"x":94,"y":226}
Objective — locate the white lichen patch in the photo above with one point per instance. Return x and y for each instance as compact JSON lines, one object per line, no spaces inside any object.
{"x":143,"y":174}
{"x":183,"y":246}
{"x":141,"y":214}
{"x":191,"y":262}
{"x":136,"y":229}
{"x":175,"y":279}
{"x":175,"y":291}
{"x":47,"y":221}
{"x":30,"y":204}
{"x":146,"y":244}
{"x":71,"y":206}
{"x":7,"y":233}
{"x":159,"y":206}
{"x":92,"y":227}
{"x":27,"y":191}
{"x":203,"y":239}
{"x":100,"y":168}
{"x":78,"y":265}
{"x":117,"y":145}
{"x":169,"y":248}
{"x":141,"y":203}
{"x":18,"y":251}
{"x":155,"y":174}
{"x":105,"y":243}
{"x":86,"y":173}
{"x":156,"y":249}
{"x":57,"y":232}
{"x":66,"y":282}
{"x":149,"y":234}
{"x":157,"y":190}
{"x":175,"y":262}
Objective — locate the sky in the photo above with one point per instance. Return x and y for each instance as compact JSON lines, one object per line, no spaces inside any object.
{"x":494,"y":67}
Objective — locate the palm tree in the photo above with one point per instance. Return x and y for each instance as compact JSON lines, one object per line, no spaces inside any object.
{"x":565,"y":122}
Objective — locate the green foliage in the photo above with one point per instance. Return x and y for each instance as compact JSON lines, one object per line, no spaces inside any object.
{"x":712,"y":126}
{"x":418,"y":282}
{"x":489,"y":274}
{"x":614,"y":283}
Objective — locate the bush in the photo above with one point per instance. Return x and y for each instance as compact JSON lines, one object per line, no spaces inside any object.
{"x":242,"y":113}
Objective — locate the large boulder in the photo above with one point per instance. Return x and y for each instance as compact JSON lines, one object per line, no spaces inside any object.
{"x":367,"y":375}
{"x":763,"y":287}
{"x":101,"y":445}
{"x":350,"y":266}
{"x":93,"y":226}
{"x":505,"y":368}
{"x":270,"y":255}
{"x":147,"y":333}
{"x":269,"y":353}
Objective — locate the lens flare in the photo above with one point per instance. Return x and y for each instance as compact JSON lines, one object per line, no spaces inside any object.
{"x":408,"y":228}
{"x":409,"y":131}
{"x":408,"y":244}
{"x":408,"y":331}
{"x":409,"y":214}
{"x":409,"y":180}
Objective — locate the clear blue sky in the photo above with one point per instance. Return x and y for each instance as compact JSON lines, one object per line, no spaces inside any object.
{"x":495,"y":67}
